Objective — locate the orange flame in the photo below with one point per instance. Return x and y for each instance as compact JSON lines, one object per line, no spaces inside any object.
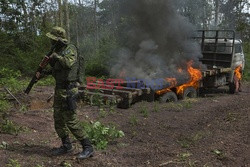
{"x":237,"y":72}
{"x":173,"y":83}
{"x":195,"y":77}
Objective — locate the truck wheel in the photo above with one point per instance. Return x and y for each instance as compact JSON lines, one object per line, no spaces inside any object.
{"x":168,"y":97}
{"x":189,"y":92}
{"x":232,"y":87}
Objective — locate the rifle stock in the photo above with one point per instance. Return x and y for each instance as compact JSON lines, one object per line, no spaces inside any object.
{"x":43,"y":64}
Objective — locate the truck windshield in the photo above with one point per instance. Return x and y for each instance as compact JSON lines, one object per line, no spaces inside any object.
{"x":238,"y":48}
{"x":210,"y":47}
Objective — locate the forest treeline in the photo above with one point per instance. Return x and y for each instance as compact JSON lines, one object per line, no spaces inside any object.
{"x":95,"y":27}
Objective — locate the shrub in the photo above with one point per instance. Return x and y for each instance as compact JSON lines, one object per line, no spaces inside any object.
{"x":11,"y":79}
{"x":101,"y":135}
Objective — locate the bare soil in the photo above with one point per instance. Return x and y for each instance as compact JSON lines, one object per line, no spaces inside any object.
{"x":208,"y":131}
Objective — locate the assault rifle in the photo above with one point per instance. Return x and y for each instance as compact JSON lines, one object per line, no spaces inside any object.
{"x":43,"y":64}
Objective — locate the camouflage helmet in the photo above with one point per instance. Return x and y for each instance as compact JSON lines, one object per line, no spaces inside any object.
{"x":56,"y":33}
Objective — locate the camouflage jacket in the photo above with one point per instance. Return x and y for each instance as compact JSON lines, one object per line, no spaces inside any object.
{"x":65,"y":66}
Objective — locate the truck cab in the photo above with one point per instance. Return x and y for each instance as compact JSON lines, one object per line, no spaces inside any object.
{"x":222,"y":55}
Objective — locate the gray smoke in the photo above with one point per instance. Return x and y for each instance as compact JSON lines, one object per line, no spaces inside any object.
{"x":156,"y":39}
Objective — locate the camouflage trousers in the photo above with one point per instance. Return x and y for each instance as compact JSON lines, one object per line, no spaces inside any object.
{"x":65,"y":116}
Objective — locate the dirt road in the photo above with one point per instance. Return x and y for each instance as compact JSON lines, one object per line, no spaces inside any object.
{"x":209,"y":131}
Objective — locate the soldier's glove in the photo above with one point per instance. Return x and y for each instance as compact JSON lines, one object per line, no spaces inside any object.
{"x":55,"y":56}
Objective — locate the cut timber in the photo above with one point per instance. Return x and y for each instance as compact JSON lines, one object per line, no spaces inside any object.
{"x":90,"y":95}
{"x":125,"y":95}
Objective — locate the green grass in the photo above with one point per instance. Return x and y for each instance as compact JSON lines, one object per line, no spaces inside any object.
{"x":143,"y":109}
{"x":133,"y":120}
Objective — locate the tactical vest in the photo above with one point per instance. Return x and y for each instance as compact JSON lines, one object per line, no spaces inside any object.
{"x":62,"y":75}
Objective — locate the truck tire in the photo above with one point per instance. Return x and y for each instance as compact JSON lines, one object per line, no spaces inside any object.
{"x":189,"y":92}
{"x":232,"y":87}
{"x":168,"y":97}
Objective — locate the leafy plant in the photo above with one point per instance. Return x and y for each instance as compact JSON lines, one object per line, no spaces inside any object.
{"x":4,"y":145}
{"x":11,"y":79}
{"x":4,"y":105}
{"x":218,"y":153}
{"x":65,"y":164}
{"x":13,"y":163}
{"x":11,"y":128}
{"x":133,"y":120}
{"x":23,"y":108}
{"x":184,"y":156}
{"x":101,"y":135}
{"x":102,"y":112}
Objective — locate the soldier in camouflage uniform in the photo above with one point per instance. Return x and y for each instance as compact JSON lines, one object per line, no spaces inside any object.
{"x":65,"y":67}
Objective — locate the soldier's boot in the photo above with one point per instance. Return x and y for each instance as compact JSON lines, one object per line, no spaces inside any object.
{"x":87,"y":151}
{"x":65,"y":148}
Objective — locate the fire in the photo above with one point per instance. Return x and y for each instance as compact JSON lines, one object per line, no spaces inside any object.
{"x":195,"y":77}
{"x":237,"y":72}
{"x":173,"y":83}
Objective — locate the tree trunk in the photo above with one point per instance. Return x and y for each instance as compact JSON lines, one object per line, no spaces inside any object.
{"x":60,"y":13}
{"x":66,"y":4}
{"x":25,"y":14}
{"x":216,"y":13}
{"x":204,"y":16}
{"x":96,"y":23}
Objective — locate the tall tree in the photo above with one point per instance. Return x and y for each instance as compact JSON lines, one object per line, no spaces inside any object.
{"x":67,"y":21}
{"x":60,"y":13}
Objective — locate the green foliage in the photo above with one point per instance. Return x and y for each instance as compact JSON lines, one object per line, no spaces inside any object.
{"x":100,"y":134}
{"x":10,"y":127}
{"x":102,"y":112}
{"x":220,"y":155}
{"x":48,"y":81}
{"x":65,"y":164}
{"x":184,"y":156}
{"x":133,"y":120}
{"x":4,"y":105}
{"x":247,"y":65}
{"x":144,"y":110}
{"x":22,"y":52}
{"x":13,"y":163}
{"x":4,"y":145}
{"x":156,"y":106}
{"x":98,"y":60}
{"x":187,"y":141}
{"x":11,"y":79}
